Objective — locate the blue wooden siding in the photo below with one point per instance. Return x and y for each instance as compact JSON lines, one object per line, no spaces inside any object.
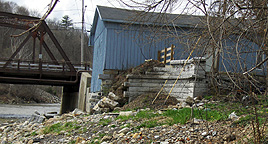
{"x":239,"y":57}
{"x":99,"y":55}
{"x":127,"y":48}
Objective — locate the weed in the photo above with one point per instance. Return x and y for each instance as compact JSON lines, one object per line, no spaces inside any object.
{"x":124,"y":118}
{"x":105,"y":122}
{"x":145,"y":115}
{"x":178,"y":116}
{"x":149,"y":124}
{"x":208,"y":97}
{"x":72,"y":142}
{"x":183,"y":115}
{"x":101,"y":135}
{"x":55,"y":128}
{"x":58,"y":127}
{"x":34,"y":133}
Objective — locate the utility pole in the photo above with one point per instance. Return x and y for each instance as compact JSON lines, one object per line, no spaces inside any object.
{"x":82,"y":35}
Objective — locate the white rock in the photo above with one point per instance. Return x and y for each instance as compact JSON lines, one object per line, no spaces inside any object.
{"x":77,"y":112}
{"x":204,"y":134}
{"x":214,"y":133}
{"x":25,"y":123}
{"x":124,"y":130}
{"x":8,"y":129}
{"x":197,"y":121}
{"x":126,"y":113}
{"x":200,"y":104}
{"x":233,"y":116}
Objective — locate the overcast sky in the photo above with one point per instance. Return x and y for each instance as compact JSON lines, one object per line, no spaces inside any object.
{"x":72,"y":8}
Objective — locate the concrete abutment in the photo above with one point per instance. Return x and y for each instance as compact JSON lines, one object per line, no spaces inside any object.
{"x":75,"y":96}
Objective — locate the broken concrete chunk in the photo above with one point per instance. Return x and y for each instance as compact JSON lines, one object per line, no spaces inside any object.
{"x":109,"y":103}
{"x":96,"y":108}
{"x":114,"y":97}
{"x":41,"y":119}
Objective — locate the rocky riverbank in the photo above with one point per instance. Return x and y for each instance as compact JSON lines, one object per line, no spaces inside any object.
{"x":123,"y":127}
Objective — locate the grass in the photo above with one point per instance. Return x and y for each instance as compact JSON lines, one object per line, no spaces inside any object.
{"x":178,"y":116}
{"x":145,"y":115}
{"x":58,"y":127}
{"x":101,"y":135}
{"x":72,"y":142}
{"x":105,"y":122}
{"x":149,"y":124}
{"x":124,"y":118}
{"x":184,"y":115}
{"x":170,"y":117}
{"x":34,"y":133}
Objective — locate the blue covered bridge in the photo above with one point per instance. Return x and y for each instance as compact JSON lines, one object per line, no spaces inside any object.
{"x":123,"y":39}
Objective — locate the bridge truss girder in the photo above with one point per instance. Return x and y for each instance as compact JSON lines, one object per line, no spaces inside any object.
{"x":36,"y":28}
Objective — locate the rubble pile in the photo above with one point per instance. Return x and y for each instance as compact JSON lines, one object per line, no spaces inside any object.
{"x":114,"y":100}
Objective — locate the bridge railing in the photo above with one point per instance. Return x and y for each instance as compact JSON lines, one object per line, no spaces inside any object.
{"x":43,"y":66}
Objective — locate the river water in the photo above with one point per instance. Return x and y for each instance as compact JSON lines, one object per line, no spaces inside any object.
{"x":26,"y":110}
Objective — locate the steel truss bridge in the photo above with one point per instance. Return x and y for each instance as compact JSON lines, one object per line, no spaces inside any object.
{"x":36,"y":70}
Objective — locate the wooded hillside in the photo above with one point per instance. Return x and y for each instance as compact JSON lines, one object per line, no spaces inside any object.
{"x":68,"y":37}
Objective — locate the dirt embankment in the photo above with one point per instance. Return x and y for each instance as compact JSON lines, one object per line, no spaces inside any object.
{"x":20,"y":94}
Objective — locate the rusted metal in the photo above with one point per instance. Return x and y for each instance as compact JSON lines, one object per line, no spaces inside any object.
{"x":54,"y":60}
{"x":22,"y":80}
{"x":17,"y":50}
{"x":34,"y":41}
{"x":33,"y":72}
{"x":55,"y":41}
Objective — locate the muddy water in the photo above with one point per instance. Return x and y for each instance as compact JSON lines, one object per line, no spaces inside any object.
{"x":26,"y":110}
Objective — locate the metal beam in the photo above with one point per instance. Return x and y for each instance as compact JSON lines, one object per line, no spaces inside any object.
{"x":50,"y":54}
{"x":11,"y":15}
{"x":56,"y":43}
{"x":4,"y":24}
{"x":18,"y":50}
